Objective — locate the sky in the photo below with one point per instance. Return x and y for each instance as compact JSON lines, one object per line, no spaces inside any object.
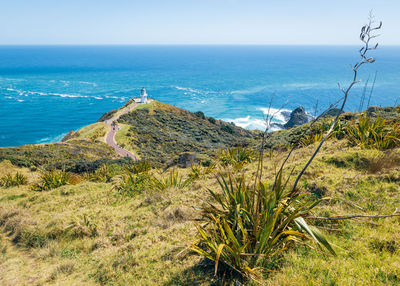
{"x":244,"y":22}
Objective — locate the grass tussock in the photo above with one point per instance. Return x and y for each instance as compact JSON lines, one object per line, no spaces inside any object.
{"x":172,"y":181}
{"x":373,"y":134}
{"x":247,"y":229}
{"x":55,"y":179}
{"x":237,"y":156}
{"x":197,"y":171}
{"x":16,"y":180}
{"x":131,"y":184}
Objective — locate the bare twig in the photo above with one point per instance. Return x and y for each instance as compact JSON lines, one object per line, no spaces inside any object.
{"x":365,"y":37}
{"x":353,"y":216}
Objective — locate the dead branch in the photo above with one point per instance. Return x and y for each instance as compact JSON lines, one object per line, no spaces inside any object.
{"x":353,"y":216}
{"x":365,"y":37}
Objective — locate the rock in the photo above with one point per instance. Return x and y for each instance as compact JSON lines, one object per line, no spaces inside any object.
{"x":186,"y":160}
{"x":68,"y":136}
{"x":183,"y":160}
{"x":286,"y":114}
{"x":297,"y":117}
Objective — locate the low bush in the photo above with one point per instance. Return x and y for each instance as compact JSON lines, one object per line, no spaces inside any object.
{"x":141,"y":166}
{"x":236,"y":155}
{"x":131,"y":184}
{"x":51,"y":180}
{"x":246,"y":229}
{"x":13,"y":181}
{"x":81,"y":227}
{"x":373,"y":134}
{"x":211,"y":120}
{"x":197,"y":171}
{"x":172,"y":181}
{"x":227,"y":128}
{"x":200,"y":114}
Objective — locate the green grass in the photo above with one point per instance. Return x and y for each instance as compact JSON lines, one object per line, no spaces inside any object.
{"x":54,"y":179}
{"x":93,"y":132}
{"x":160,"y":133}
{"x":89,"y":234}
{"x":124,"y":138}
{"x":92,"y":233}
{"x":72,"y":156}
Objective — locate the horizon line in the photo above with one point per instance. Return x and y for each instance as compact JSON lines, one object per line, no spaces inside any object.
{"x":193,"y":44}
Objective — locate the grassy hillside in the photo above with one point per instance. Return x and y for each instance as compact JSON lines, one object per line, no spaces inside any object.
{"x":75,"y":155}
{"x":135,"y":226}
{"x":161,"y":132}
{"x":91,"y":234}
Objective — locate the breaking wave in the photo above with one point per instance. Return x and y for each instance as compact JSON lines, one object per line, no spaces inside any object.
{"x":280,"y":117}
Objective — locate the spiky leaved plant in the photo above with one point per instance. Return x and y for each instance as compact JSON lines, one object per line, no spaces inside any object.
{"x":13,"y":181}
{"x":172,"y":181}
{"x":248,"y":225}
{"x":379,"y":133}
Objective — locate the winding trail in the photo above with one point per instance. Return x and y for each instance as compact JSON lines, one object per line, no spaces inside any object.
{"x":110,"y":136}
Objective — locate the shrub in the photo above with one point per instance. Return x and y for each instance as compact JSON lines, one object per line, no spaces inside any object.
{"x":102,"y":174}
{"x":379,"y":134}
{"x":197,"y":171}
{"x":227,"y":128}
{"x":236,"y":155}
{"x":141,"y":166}
{"x":131,"y":183}
{"x":172,"y":181}
{"x":211,"y":120}
{"x":51,"y":180}
{"x":200,"y":114}
{"x":312,"y":139}
{"x":13,"y":181}
{"x":81,"y":227}
{"x":246,"y":229}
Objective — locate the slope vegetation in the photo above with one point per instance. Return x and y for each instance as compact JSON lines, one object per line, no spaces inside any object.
{"x":162,"y":133}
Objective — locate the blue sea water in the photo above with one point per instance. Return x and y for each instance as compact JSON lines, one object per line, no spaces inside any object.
{"x":45,"y":91}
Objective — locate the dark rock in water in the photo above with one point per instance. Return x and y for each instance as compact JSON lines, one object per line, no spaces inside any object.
{"x":297,"y":117}
{"x":68,"y":136}
{"x":286,"y":115}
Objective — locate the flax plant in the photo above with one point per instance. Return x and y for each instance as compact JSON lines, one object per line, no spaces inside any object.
{"x":249,"y":225}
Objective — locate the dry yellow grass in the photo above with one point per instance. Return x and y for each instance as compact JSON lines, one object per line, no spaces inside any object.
{"x":87,"y":234}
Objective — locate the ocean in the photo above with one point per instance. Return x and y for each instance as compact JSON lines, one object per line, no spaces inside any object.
{"x":46,"y":91}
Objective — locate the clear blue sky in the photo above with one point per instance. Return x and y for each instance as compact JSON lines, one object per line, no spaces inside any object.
{"x":193,"y":21}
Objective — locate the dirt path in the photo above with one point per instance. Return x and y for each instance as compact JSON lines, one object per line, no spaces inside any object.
{"x":110,"y":136}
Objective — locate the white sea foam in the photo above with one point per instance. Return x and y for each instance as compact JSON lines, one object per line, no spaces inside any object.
{"x":69,"y":95}
{"x":20,"y":92}
{"x":20,"y":100}
{"x":89,"y":83}
{"x":56,"y":138}
{"x":248,"y":122}
{"x":251,"y":90}
{"x":96,"y":97}
{"x":193,"y":90}
{"x":43,"y":140}
{"x":277,"y":114}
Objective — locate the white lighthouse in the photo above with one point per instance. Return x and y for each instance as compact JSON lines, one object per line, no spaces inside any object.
{"x":143,"y":96}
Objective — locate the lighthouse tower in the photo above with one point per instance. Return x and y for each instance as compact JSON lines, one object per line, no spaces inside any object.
{"x":143,"y":96}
